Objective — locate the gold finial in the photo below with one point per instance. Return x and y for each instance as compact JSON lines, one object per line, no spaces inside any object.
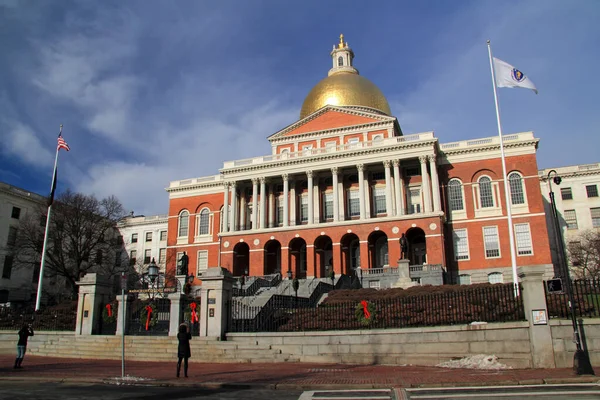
{"x":341,"y":45}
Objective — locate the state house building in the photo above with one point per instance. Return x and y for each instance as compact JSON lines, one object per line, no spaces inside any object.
{"x":343,"y":183}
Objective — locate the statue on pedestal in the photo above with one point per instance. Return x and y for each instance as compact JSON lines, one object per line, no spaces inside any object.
{"x":403,"y":247}
{"x":183,"y":265}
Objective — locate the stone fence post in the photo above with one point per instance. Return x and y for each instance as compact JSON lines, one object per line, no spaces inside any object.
{"x":217,"y":284}
{"x":123,"y":314}
{"x":94,"y":290}
{"x":536,"y":312}
{"x":175,"y":312}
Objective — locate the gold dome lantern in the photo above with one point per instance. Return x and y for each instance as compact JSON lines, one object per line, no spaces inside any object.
{"x":344,"y":86}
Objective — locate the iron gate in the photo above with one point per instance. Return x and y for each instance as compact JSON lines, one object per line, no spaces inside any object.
{"x":149,"y":317}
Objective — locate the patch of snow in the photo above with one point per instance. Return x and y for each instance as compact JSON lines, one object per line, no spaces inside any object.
{"x":128,"y":379}
{"x":478,"y":361}
{"x":478,"y":323}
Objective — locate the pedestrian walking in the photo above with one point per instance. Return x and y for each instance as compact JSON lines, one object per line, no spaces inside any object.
{"x":24,"y":334}
{"x":183,"y":349}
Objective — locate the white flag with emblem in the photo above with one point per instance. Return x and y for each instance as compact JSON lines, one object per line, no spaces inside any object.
{"x":509,"y":76}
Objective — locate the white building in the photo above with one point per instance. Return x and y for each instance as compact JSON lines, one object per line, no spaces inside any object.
{"x":16,"y":284}
{"x":145,"y":238}
{"x":577,"y":201}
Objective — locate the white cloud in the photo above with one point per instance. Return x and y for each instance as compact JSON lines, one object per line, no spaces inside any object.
{"x":22,"y":143}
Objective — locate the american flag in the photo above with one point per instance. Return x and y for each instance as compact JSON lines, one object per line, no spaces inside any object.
{"x":62,"y":144}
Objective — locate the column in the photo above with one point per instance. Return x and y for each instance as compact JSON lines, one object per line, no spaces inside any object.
{"x":254,"y":203}
{"x":317,"y":200}
{"x":293,"y":204}
{"x":398,"y":188}
{"x":234,"y":211}
{"x":243,"y":207}
{"x":361,"y":190}
{"x":336,"y":199}
{"x":425,"y":185}
{"x":225,"y":214}
{"x":311,"y":205}
{"x":388,"y":189}
{"x":286,"y":205}
{"x":263,"y":203}
{"x":271,"y":205}
{"x":435,"y":183}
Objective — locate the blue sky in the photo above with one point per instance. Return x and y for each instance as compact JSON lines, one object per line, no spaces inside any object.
{"x":153,"y":91}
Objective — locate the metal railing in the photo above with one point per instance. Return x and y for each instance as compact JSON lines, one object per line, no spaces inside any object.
{"x":586,"y":293}
{"x":494,"y":303}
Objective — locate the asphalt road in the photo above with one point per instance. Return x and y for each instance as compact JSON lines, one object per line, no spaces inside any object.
{"x":63,"y":391}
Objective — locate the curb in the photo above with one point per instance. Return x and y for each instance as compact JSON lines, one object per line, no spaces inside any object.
{"x":299,"y":386}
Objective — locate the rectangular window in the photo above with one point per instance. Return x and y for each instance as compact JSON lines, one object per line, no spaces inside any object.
{"x":162,"y":256}
{"x":8,"y":264}
{"x":119,"y":240}
{"x":99,"y":257}
{"x":279,"y":212}
{"x":374,"y":285}
{"x":379,"y":200}
{"x":595,"y":217}
{"x":495,"y":277}
{"x":353,"y":143}
{"x":461,"y":245}
{"x":12,"y":236}
{"x":132,"y":257}
{"x":592,"y":190}
{"x":148,"y":236}
{"x":414,"y":197}
{"x":163,"y":236}
{"x":118,"y":255}
{"x":307,"y":150}
{"x":202,"y":262}
{"x":464,"y":279}
{"x":566,"y":193}
{"x":523,"y":239}
{"x":571,"y":219}
{"x":134,"y":237}
{"x":353,"y":203}
{"x":147,"y":256}
{"x":491,"y":241}
{"x":16,"y":213}
{"x":328,"y":205}
{"x":330,"y":146}
{"x":304,"y":208}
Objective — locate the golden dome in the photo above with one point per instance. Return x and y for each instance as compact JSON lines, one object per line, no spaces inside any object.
{"x":344,"y":89}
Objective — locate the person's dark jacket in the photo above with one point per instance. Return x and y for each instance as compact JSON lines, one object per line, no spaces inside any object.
{"x":24,"y":334}
{"x":183,"y":349}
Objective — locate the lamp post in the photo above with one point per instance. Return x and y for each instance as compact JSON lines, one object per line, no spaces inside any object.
{"x":152,"y":275}
{"x":581,"y":362}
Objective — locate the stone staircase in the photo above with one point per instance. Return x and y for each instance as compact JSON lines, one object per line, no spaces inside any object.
{"x":144,"y":348}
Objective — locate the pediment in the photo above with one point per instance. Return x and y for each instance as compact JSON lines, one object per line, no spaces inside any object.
{"x":331,"y":117}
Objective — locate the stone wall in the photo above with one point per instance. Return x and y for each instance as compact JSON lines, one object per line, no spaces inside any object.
{"x":562,"y":341}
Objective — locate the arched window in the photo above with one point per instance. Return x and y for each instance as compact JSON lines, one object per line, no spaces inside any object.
{"x":204,"y":222}
{"x":340,"y":61}
{"x":495,"y":277}
{"x":455,"y":195}
{"x":486,"y":196}
{"x":184,"y":219}
{"x":516,"y":188}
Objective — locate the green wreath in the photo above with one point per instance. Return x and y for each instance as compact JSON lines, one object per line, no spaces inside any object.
{"x":365,"y":313}
{"x":153,"y":315}
{"x":112,"y":318}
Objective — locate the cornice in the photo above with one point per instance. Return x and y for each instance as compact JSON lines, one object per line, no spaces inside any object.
{"x":195,"y":186}
{"x":575,"y":174}
{"x":496,"y":146}
{"x":326,"y":132}
{"x":331,"y":156}
{"x":14,"y":191}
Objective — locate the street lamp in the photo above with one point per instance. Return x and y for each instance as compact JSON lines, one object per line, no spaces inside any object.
{"x":152,"y":271}
{"x":581,"y":362}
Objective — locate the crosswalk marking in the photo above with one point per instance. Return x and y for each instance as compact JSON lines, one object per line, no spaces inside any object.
{"x":355,"y":394}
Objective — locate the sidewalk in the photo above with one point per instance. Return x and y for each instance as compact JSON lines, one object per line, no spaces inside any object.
{"x":276,"y":376}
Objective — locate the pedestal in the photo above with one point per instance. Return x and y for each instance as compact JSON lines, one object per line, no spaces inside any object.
{"x":181,"y":281}
{"x":404,"y":280}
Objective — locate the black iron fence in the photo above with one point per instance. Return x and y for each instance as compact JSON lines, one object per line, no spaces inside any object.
{"x":494,"y":303}
{"x":61,"y":317}
{"x":586,"y":294}
{"x":149,"y":317}
{"x":107,"y":323}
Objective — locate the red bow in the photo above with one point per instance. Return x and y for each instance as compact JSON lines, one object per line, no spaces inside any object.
{"x":365,"y":309}
{"x":194,"y":313}
{"x":149,"y":310}
{"x":109,"y":309}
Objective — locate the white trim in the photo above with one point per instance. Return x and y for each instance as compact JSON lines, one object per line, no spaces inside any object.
{"x":517,"y":242}
{"x":455,"y":248}
{"x":497,"y":218}
{"x":485,"y":249}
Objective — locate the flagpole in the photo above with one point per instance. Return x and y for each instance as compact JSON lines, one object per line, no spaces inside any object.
{"x":513,"y":256}
{"x":41,"y":277}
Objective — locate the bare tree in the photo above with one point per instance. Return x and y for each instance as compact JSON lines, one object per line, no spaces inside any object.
{"x":82,"y":238}
{"x":584,"y":255}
